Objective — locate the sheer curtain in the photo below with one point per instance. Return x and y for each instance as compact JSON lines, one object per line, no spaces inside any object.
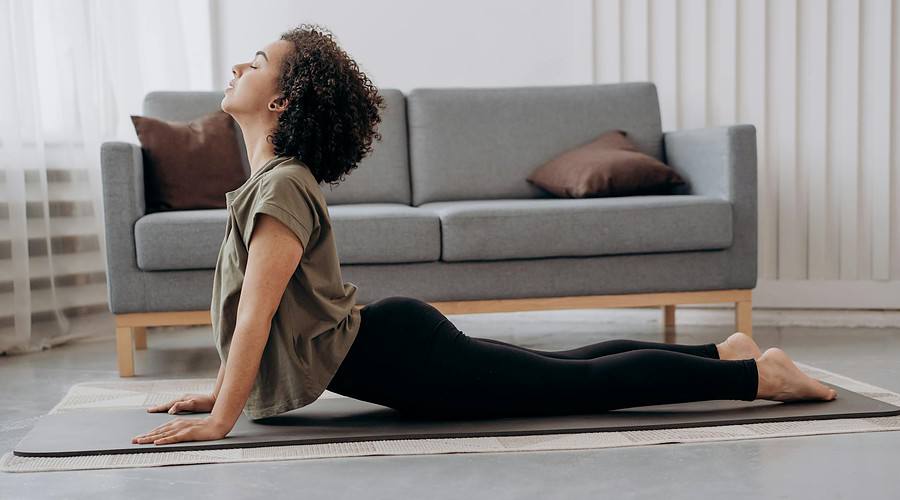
{"x":74,"y":70}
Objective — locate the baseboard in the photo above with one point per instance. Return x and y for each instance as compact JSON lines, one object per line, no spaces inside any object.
{"x":724,"y":316}
{"x":822,"y":294}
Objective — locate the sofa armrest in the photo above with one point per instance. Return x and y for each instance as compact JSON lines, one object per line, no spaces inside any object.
{"x":716,"y":161}
{"x":122,"y":171}
{"x":122,"y":178}
{"x":721,"y":162}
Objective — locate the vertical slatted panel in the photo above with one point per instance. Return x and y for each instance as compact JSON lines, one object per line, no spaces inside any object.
{"x":812,"y":125}
{"x":782,"y":132}
{"x":844,"y":133}
{"x":752,"y":69}
{"x":722,"y":69}
{"x":692,"y":58}
{"x":664,"y":61}
{"x":875,"y":141}
{"x":821,"y":82}
{"x":608,"y":50}
{"x":635,"y":46}
{"x":894,"y":202}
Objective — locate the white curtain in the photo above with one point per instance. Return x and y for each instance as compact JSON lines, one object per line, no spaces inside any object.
{"x":73,"y":72}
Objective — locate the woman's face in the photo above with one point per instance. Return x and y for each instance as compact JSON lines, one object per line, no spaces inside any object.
{"x":255,"y":83}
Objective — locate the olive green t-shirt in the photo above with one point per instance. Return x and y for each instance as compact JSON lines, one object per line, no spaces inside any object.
{"x":317,"y":318}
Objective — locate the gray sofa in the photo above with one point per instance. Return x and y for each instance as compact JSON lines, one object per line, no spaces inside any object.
{"x":441,"y":211}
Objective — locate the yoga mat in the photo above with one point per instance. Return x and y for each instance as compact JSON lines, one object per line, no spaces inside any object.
{"x":137,"y":393}
{"x":341,"y":419}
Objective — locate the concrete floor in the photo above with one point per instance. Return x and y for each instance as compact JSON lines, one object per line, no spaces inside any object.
{"x":860,"y":465}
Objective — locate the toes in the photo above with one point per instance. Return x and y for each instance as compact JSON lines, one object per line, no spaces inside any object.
{"x":823,"y":391}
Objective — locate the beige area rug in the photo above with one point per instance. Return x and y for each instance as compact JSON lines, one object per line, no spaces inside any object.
{"x":140,"y":394}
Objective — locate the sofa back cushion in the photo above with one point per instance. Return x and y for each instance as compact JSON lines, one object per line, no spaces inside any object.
{"x":383,"y":175}
{"x":380,"y":177}
{"x":482,"y":143}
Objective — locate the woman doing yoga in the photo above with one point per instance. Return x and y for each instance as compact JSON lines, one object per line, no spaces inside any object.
{"x":287,"y":327}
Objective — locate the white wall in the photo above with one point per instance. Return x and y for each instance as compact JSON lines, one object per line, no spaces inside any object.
{"x":405,"y":44}
{"x":820,"y":79}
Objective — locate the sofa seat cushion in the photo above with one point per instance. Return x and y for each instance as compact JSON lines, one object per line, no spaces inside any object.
{"x":380,"y":233}
{"x":179,"y":239}
{"x":533,"y":228}
{"x":365,"y":233}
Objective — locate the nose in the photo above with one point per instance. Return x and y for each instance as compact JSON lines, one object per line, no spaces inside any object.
{"x":238,"y":69}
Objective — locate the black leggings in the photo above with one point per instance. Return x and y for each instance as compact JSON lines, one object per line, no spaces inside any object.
{"x":410,"y":357}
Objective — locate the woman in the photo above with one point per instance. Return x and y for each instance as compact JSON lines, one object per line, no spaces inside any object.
{"x":287,"y":327}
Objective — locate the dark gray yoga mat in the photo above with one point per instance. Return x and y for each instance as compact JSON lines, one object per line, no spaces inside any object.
{"x":328,"y":420}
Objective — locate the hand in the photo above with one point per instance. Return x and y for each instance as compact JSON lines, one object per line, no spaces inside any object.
{"x":184,"y":429}
{"x":196,"y":403}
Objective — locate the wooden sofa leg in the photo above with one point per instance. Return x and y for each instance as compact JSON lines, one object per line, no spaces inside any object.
{"x":669,"y":323}
{"x":140,"y":338}
{"x":125,"y":350}
{"x":669,"y":315}
{"x":743,"y":316}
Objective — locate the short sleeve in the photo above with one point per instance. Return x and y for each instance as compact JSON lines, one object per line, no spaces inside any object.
{"x":285,"y":199}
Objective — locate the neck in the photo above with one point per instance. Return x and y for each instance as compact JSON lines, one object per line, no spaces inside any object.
{"x":259,"y":149}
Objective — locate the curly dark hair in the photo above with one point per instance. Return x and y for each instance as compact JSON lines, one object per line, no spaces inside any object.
{"x":333,"y":107}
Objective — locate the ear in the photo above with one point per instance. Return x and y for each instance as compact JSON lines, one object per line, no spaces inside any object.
{"x":275,"y":106}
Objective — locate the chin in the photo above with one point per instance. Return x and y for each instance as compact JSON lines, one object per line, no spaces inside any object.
{"x":226,"y":105}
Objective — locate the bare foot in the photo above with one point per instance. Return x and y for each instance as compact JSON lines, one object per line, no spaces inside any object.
{"x":781,"y":380}
{"x":738,"y":346}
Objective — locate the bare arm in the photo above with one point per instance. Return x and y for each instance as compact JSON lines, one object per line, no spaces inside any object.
{"x":273,"y":255}
{"x":221,"y":376}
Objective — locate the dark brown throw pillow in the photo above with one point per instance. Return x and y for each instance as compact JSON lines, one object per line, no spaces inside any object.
{"x":610,"y":165}
{"x":189,"y":165}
